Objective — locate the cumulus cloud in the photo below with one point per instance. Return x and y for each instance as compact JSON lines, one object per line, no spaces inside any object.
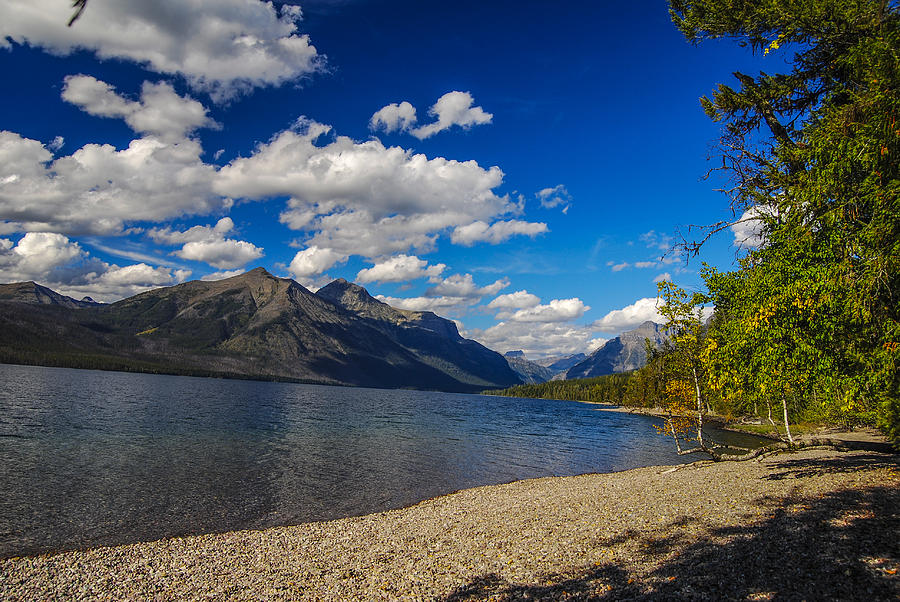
{"x":495,"y":233}
{"x":193,"y":234}
{"x":748,"y":229}
{"x":537,"y":340}
{"x":437,"y":305}
{"x":630,"y":316}
{"x":516,"y":300}
{"x":313,"y":260}
{"x":209,"y":245}
{"x":453,"y":108}
{"x":463,"y":286}
{"x":393,"y":117}
{"x":558,"y":310}
{"x":555,"y":197}
{"x":664,"y":277}
{"x":362,"y":198}
{"x":400,"y":268}
{"x":222,"y":47}
{"x":222,"y":254}
{"x":98,"y":188}
{"x":160,"y":112}
{"x":457,"y":292}
{"x":53,"y":260}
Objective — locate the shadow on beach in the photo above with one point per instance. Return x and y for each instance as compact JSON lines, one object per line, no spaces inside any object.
{"x":840,"y":546}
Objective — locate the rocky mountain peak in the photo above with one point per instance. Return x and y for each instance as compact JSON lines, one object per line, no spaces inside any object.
{"x":624,"y":353}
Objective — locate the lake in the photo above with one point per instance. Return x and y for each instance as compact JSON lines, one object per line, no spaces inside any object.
{"x":93,"y":458}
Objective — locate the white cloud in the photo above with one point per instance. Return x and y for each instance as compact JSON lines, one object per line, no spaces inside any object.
{"x":595,"y":344}
{"x":313,"y":260}
{"x":537,"y":340}
{"x":222,"y":47}
{"x":748,"y":229}
{"x":454,"y":293}
{"x":400,"y":268}
{"x":38,"y":255}
{"x":160,"y":112}
{"x":664,"y":277}
{"x":433,"y":304}
{"x":554,"y":197}
{"x":222,"y":254}
{"x":630,"y":316}
{"x":364,"y":198}
{"x":453,"y":108}
{"x":516,"y":300}
{"x":496,"y":233}
{"x":655,"y":240}
{"x":57,"y":143}
{"x":641,"y":265}
{"x":464,"y":287}
{"x":222,"y":275}
{"x":394,"y":117}
{"x":558,"y":310}
{"x":98,"y":188}
{"x":53,"y":260}
{"x":193,"y":234}
{"x":208,"y":244}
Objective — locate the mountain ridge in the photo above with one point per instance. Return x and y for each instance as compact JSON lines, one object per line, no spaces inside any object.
{"x":256,"y":325}
{"x":623,"y":353}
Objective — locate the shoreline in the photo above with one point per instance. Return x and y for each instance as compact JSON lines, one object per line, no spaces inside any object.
{"x":720,"y":530}
{"x":864,"y":437}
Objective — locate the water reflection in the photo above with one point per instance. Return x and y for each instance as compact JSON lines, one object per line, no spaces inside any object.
{"x":90,"y":458}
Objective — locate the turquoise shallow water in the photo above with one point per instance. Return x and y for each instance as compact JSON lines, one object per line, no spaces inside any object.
{"x":91,"y":458}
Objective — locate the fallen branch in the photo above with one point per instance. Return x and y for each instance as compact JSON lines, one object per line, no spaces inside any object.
{"x":778,"y":447}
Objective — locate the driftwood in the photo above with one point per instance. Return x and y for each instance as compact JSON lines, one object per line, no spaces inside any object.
{"x":765,"y":450}
{"x":778,"y":447}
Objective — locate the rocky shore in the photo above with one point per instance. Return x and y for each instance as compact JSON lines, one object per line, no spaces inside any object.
{"x":816,"y":524}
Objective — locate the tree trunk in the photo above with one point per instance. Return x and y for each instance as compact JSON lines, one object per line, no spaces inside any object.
{"x":769,"y":407}
{"x":787,"y":427}
{"x":699,"y":408}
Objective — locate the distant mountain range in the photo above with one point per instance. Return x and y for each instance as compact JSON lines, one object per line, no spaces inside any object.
{"x":256,"y":325}
{"x":530,"y":372}
{"x":253,"y":325}
{"x":624,"y":353}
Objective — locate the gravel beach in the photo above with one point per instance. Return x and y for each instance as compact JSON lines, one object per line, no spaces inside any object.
{"x":814,"y":525}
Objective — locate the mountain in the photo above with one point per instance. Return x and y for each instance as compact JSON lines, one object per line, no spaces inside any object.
{"x":561,"y":364}
{"x":621,"y":354}
{"x":31,"y":292}
{"x":252,"y":325}
{"x":434,"y":340}
{"x":530,"y":372}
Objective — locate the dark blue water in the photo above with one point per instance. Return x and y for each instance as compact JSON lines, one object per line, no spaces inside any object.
{"x":90,"y":458}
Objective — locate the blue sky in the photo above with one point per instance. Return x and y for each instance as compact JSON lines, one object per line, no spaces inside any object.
{"x":521,"y":167}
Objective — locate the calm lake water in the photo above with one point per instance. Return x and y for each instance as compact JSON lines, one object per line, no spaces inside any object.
{"x":92,"y":458}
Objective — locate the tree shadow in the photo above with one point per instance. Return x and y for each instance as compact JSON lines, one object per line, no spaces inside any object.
{"x":840,"y":546}
{"x":812,"y":467}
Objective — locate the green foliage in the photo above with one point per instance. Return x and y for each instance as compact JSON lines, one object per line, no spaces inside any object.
{"x":813,"y":315}
{"x":600,"y":389}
